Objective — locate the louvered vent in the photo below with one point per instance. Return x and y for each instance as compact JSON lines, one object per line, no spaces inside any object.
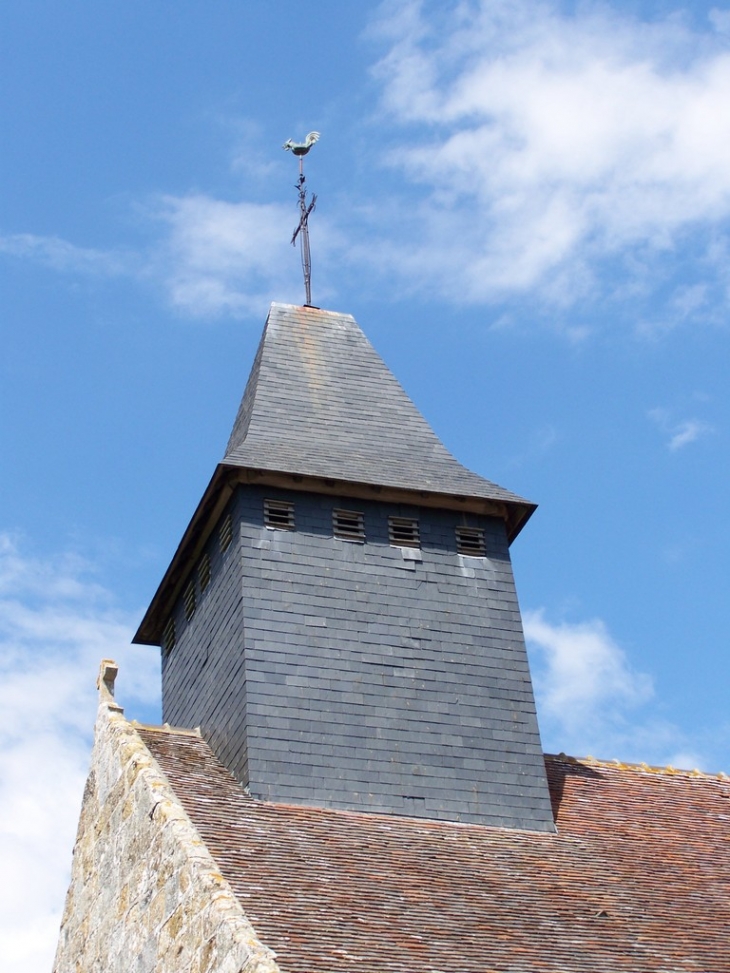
{"x":225,"y":533}
{"x":403,"y":532}
{"x":204,"y":572}
{"x":279,"y":514}
{"x":168,"y":635}
{"x":349,"y":525}
{"x":189,"y":600}
{"x":470,"y":540}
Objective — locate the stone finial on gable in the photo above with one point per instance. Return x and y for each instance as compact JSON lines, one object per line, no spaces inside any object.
{"x":108,"y":671}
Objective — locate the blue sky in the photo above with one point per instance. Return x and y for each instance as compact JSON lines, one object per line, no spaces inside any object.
{"x":525,"y":205}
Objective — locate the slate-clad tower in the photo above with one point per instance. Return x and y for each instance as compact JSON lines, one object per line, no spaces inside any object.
{"x":340,"y":617}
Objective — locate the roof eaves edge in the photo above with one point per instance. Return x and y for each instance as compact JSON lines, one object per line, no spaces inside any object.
{"x":226,"y":477}
{"x":216,"y":496}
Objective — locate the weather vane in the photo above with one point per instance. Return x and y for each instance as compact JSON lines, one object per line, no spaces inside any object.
{"x":300,"y":149}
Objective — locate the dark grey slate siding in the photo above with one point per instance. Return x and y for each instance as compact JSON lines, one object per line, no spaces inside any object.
{"x":203,"y":677}
{"x":365,"y":676}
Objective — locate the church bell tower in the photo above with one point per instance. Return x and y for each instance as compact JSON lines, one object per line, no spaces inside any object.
{"x":340,"y":617}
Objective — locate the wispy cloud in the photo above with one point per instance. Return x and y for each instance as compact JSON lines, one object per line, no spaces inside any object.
{"x":572,"y":155}
{"x":540,"y":442}
{"x":207,"y":257}
{"x":679,"y":434}
{"x":585,"y":671}
{"x":64,"y":256}
{"x":549,"y":142}
{"x":223,"y":257}
{"x":56,"y":623}
{"x":591,"y":700}
{"x":687,"y":432}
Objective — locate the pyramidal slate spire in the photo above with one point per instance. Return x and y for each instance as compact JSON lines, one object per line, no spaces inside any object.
{"x":340,"y":618}
{"x":321,"y":402}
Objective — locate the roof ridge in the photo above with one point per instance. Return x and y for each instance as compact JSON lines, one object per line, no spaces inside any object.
{"x":617,"y":764}
{"x":166,"y":728}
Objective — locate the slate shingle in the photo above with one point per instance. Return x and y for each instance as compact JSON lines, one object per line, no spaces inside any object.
{"x":386,"y":678}
{"x":321,"y":402}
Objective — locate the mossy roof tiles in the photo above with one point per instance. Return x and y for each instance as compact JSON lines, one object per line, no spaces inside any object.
{"x":637,"y":878}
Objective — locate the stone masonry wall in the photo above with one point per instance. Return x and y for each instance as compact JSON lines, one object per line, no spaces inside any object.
{"x":145,"y":894}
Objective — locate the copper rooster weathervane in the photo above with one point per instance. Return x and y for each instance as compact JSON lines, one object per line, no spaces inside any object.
{"x":300,"y":149}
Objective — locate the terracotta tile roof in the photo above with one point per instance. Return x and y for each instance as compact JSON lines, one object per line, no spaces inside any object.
{"x":637,"y":878}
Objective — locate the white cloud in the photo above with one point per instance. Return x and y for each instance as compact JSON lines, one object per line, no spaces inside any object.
{"x":720,"y":20}
{"x":64,"y":256}
{"x":56,"y":623}
{"x":682,"y":433}
{"x":687,"y":432}
{"x":589,"y":698}
{"x":221,"y":257}
{"x":585,"y":671}
{"x":208,"y":256}
{"x":549,"y":142}
{"x":572,"y":155}
{"x":591,"y":701}
{"x":212,"y":257}
{"x":251,"y":156}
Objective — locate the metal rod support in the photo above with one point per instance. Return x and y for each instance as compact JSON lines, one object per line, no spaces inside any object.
{"x":302,"y":231}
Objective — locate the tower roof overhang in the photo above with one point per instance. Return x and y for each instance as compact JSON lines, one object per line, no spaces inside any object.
{"x":225,"y":480}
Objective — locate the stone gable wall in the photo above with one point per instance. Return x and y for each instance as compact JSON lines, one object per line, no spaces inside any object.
{"x":145,"y":894}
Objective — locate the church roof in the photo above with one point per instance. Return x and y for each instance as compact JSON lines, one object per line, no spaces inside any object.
{"x":637,"y":877}
{"x":321,"y":402}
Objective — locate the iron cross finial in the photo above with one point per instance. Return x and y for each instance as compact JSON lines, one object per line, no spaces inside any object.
{"x":300,"y":149}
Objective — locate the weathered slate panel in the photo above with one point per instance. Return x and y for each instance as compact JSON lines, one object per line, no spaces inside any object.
{"x":363,"y":675}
